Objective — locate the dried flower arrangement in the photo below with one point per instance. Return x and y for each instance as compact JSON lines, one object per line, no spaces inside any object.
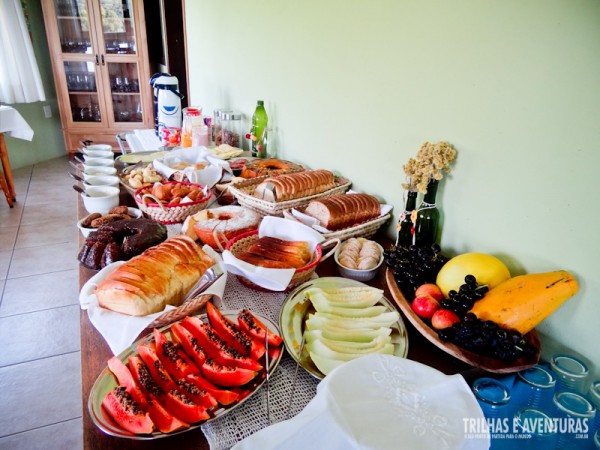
{"x":430,"y":162}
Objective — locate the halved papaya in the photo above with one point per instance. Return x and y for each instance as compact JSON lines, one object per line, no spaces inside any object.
{"x":158,"y":372}
{"x":223,"y":396}
{"x":250,"y":324}
{"x":189,"y":343}
{"x":124,"y":378}
{"x":225,"y":375}
{"x":126,"y":412}
{"x":235,"y":338}
{"x":171,"y":355}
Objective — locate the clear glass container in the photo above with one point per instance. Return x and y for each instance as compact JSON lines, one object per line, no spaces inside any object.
{"x":534,"y":388}
{"x":571,"y":373}
{"x":572,"y":408}
{"x":539,"y":425}
{"x":231,"y":129}
{"x":493,"y":397}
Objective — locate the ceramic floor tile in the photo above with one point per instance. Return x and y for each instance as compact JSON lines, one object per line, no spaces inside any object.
{"x":39,"y":292}
{"x":42,"y":194}
{"x":11,"y":217}
{"x":43,"y":259}
{"x":39,"y":334}
{"x":55,"y":232}
{"x":40,"y":393}
{"x":66,"y":435}
{"x":4,"y":264}
{"x":65,"y":209}
{"x":8,"y":237}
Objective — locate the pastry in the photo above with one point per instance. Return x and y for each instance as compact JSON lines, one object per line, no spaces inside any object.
{"x":223,"y":223}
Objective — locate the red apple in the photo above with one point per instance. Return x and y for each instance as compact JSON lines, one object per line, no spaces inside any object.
{"x":425,"y":305}
{"x":430,"y":289}
{"x":443,"y":318}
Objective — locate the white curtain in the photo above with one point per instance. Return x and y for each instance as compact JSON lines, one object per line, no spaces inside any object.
{"x":20,"y":80}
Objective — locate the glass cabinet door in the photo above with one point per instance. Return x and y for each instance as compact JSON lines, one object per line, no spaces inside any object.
{"x":125,"y":92}
{"x":118,"y":27}
{"x":83,"y":94}
{"x":73,"y":26}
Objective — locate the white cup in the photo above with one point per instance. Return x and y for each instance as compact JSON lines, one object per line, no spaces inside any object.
{"x":95,"y":147}
{"x":100,"y":198}
{"x":92,"y":159}
{"x":98,"y":170}
{"x":101,"y":180}
{"x":106,"y":154}
{"x":98,"y":162}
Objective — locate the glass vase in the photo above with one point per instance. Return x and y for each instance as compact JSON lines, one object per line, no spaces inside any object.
{"x":406,"y":227}
{"x":428,"y":217}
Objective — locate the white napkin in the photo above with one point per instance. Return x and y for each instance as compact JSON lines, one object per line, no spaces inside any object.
{"x":380,"y":402}
{"x":209,"y":176}
{"x":273,"y":279}
{"x":314,"y":223}
{"x":120,"y":330}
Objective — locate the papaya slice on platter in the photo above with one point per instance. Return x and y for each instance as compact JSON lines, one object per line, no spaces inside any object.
{"x":173,"y":400}
{"x":219,"y":350}
{"x":158,"y":372}
{"x":226,"y":375}
{"x":124,"y":378}
{"x":163,"y":419}
{"x":250,"y":324}
{"x":126,"y":412}
{"x":172,"y":357}
{"x":223,"y":396}
{"x":196,"y":394}
{"x":230,"y":333}
{"x":189,"y":343}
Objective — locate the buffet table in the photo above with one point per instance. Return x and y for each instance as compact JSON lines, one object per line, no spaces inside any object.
{"x":95,"y":354}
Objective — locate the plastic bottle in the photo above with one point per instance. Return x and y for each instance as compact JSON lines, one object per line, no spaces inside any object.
{"x":259,"y":125}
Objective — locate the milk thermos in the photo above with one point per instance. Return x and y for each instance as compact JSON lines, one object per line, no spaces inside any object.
{"x":167,"y":101}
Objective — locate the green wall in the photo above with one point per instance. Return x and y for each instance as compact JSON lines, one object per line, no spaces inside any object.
{"x":358,"y":86}
{"x":48,"y":141}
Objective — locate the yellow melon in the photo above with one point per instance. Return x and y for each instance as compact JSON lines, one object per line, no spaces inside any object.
{"x":487,"y":269}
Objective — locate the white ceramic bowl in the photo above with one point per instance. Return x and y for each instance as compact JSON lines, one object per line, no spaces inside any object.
{"x":355,"y":274}
{"x":92,"y":159}
{"x":98,"y":162}
{"x":101,"y":180}
{"x":133,"y":212}
{"x":98,"y":147}
{"x":100,"y":198}
{"x":98,"y":170}
{"x":106,"y":154}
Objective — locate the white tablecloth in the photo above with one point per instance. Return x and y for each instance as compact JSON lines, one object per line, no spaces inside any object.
{"x":13,"y":124}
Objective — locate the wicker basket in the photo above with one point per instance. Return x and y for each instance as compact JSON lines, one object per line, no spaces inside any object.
{"x":168,"y":214}
{"x":242,"y":242}
{"x":189,"y":308}
{"x":365,"y":229}
{"x":244,"y":194}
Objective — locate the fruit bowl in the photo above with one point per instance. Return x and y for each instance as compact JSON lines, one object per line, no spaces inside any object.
{"x":482,"y":362}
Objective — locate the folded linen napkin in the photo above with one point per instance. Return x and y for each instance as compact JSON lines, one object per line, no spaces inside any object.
{"x":209,"y":176}
{"x":120,"y":330}
{"x":273,"y":279}
{"x":380,"y":402}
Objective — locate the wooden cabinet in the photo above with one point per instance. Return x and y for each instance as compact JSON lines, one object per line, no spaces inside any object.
{"x":100,"y":66}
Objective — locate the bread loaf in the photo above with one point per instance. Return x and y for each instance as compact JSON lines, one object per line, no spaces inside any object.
{"x":295,"y":185}
{"x":277,"y":253}
{"x":344,"y":210}
{"x":160,"y":276}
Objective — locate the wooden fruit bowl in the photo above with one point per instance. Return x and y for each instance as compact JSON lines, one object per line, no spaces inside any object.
{"x":482,"y":362}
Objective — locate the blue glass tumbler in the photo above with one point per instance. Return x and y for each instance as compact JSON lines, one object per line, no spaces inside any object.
{"x":571,"y":410}
{"x":594,"y":398}
{"x":493,"y":398}
{"x":534,"y":388}
{"x":597,"y":439}
{"x":571,"y":373}
{"x":535,"y":428}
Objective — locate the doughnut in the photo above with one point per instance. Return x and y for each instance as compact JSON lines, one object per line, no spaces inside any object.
{"x":229,"y":221}
{"x":272,"y":166}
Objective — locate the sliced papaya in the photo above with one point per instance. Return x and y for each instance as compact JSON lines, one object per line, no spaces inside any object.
{"x":197,"y":395}
{"x":249,"y":323}
{"x":157,"y":370}
{"x":189,"y":343}
{"x":225,"y":375}
{"x":126,"y":412}
{"x":223,"y":396}
{"x":124,"y":378}
{"x":172,"y":400}
{"x":220,"y":351}
{"x":172,"y":356}
{"x":230,"y":333}
{"x":164,"y":420}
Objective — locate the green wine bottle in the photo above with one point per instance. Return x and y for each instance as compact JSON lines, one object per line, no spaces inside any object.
{"x":259,"y":124}
{"x":428,"y":217}
{"x":406,"y":227}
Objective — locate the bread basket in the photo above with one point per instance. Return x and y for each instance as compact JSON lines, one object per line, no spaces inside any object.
{"x":169,"y":214}
{"x":240,"y":244}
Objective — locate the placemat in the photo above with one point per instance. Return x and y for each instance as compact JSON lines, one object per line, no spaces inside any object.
{"x":252,"y":416}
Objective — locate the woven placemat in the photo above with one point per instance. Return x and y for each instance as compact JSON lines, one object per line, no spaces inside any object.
{"x":251,"y":416}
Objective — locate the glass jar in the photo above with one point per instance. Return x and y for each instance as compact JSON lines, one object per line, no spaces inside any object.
{"x":216,"y":124}
{"x":192,"y":117}
{"x":231,"y":129}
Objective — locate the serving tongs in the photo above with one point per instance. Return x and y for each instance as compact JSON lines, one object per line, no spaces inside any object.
{"x":205,"y":281}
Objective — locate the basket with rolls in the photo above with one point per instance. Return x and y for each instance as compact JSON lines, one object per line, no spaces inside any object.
{"x":271,"y":195}
{"x":270,"y":259}
{"x":172,"y":202}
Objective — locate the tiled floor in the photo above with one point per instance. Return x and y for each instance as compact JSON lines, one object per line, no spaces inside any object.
{"x":40,"y":374}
